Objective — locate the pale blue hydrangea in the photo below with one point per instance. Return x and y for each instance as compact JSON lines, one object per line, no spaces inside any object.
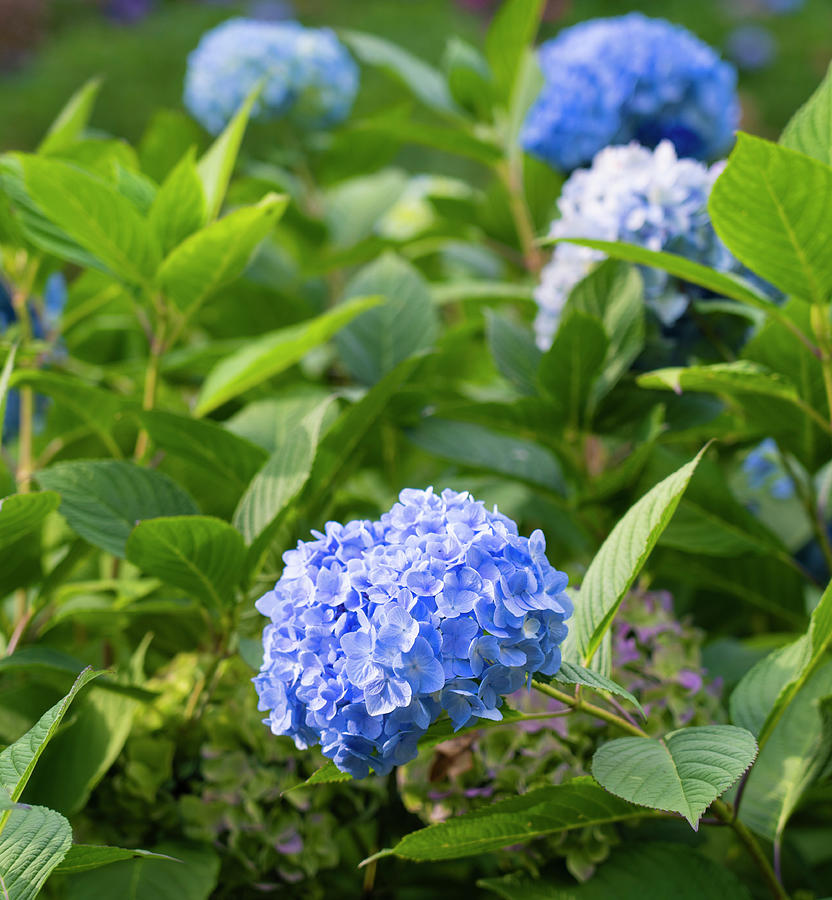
{"x":611,"y":81}
{"x":752,"y":47}
{"x":377,"y":627}
{"x":764,"y":471}
{"x":307,"y":75}
{"x":640,"y":196}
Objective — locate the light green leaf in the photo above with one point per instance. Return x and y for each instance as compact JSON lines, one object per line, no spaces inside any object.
{"x":71,"y":120}
{"x":32,"y":844}
{"x":643,"y":871}
{"x":470,"y":79}
{"x":377,"y":341}
{"x":570,"y":673}
{"x":217,"y":164}
{"x":352,"y":208}
{"x":684,"y":772}
{"x":200,"y":555}
{"x":5,"y":376}
{"x":17,"y":762}
{"x":216,"y":255}
{"x":102,"y":500}
{"x":273,"y":353}
{"x":510,"y":34}
{"x":461,"y":291}
{"x":578,"y":803}
{"x":22,"y":513}
{"x":732,"y":378}
{"x":810,"y":129}
{"x":770,"y":206}
{"x":514,"y":350}
{"x":475,"y":446}
{"x":93,"y":213}
{"x":449,"y":140}
{"x":422,"y":80}
{"x":178,"y":209}
{"x":617,"y":564}
{"x":570,"y":367}
{"x":83,"y":857}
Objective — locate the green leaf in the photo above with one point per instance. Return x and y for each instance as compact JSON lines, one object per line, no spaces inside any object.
{"x":795,"y":755}
{"x":377,"y":341}
{"x":83,"y":857}
{"x":422,"y":80}
{"x":579,"y":803}
{"x":71,"y":120}
{"x":200,"y":555}
{"x":102,"y":500}
{"x":510,"y":34}
{"x":770,"y":207}
{"x":643,"y":871}
{"x":178,"y":210}
{"x":5,"y":376}
{"x":206,"y":445}
{"x":449,"y":140}
{"x":684,"y":772}
{"x":22,"y":513}
{"x":474,"y":446}
{"x":280,"y":480}
{"x":461,"y":291}
{"x":92,"y":212}
{"x":273,"y":353}
{"x":216,"y":255}
{"x":514,"y":350}
{"x":17,"y":762}
{"x":353,"y":208}
{"x":217,"y":164}
{"x":470,"y":79}
{"x":617,"y":564}
{"x":810,"y":129}
{"x":779,"y":677}
{"x":732,"y":378}
{"x":570,"y":673}
{"x":570,"y":367}
{"x":32,"y":844}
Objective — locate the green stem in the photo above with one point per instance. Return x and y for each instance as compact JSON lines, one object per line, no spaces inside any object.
{"x":151,"y":381}
{"x":511,"y":175}
{"x":823,"y":334}
{"x":721,"y":810}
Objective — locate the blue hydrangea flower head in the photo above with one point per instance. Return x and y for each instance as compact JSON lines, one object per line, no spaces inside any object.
{"x":752,"y":47}
{"x":612,"y":81}
{"x":306,"y":74}
{"x":376,"y":628}
{"x":640,"y":196}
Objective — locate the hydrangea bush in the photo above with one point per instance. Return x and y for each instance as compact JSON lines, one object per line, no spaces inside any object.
{"x":269,"y":333}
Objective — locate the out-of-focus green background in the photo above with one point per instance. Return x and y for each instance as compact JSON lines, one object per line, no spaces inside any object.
{"x":49,"y":47}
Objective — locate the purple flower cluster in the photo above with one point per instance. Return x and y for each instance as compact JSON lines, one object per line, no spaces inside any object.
{"x":377,"y":627}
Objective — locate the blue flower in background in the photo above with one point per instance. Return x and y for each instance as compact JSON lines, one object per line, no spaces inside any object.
{"x":764,"y":471}
{"x":307,"y":75}
{"x":377,"y":627}
{"x":751,"y":47}
{"x":640,"y":196}
{"x":611,"y":81}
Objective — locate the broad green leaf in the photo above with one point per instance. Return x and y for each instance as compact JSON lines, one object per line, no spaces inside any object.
{"x":683,"y":772}
{"x":273,"y":353}
{"x":178,"y":209}
{"x":205,"y":445}
{"x":810,"y":129}
{"x":93,"y":213}
{"x":570,"y":367}
{"x":83,"y":857}
{"x":422,"y":80}
{"x":22,"y":513}
{"x":5,"y":376}
{"x":470,"y":79}
{"x":790,"y":667}
{"x":511,"y":33}
{"x":280,"y":480}
{"x":643,"y":871}
{"x":102,"y":500}
{"x":570,"y":673}
{"x":267,"y":422}
{"x":739,"y":377}
{"x":477,"y":447}
{"x":17,"y":762}
{"x":217,"y":164}
{"x":353,"y":208}
{"x":32,"y":844}
{"x":71,"y":120}
{"x":374,"y":343}
{"x":200,"y":555}
{"x":216,"y":255}
{"x":795,"y":755}
{"x":193,"y":876}
{"x":770,"y":207}
{"x":617,"y":564}
{"x":449,"y":140}
{"x":514,"y":350}
{"x":578,"y":803}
